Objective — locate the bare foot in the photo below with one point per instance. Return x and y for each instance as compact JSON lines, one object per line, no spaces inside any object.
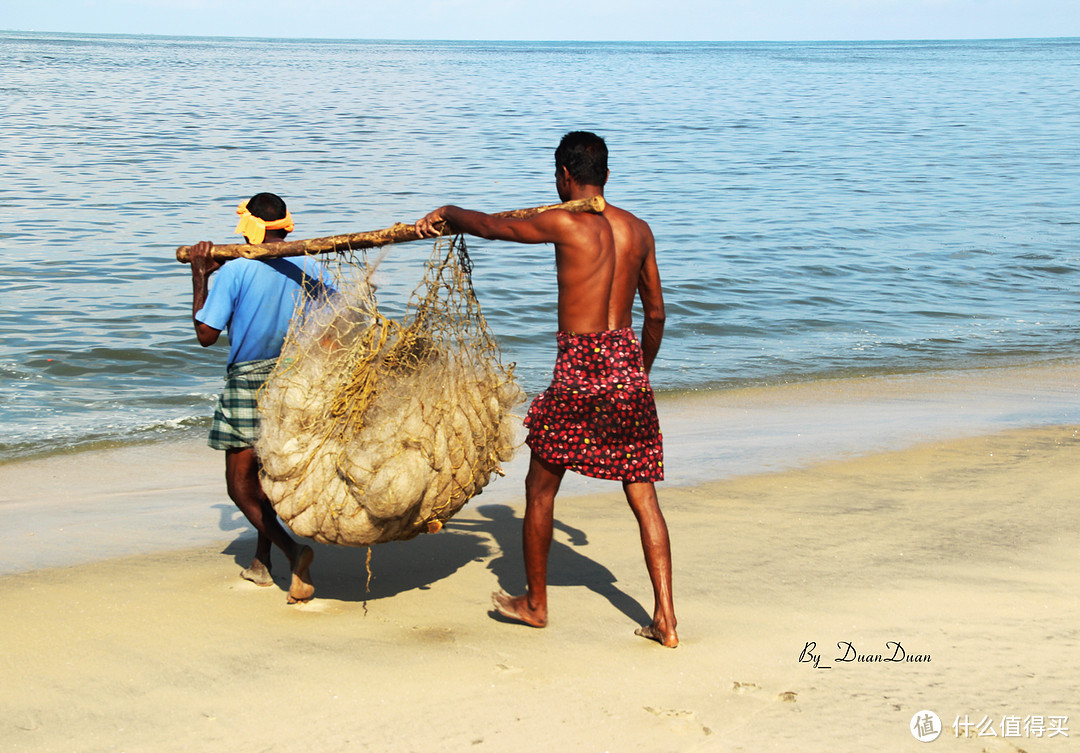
{"x":664,"y":637}
{"x":301,"y":589}
{"x":258,"y":573}
{"x":517,"y":608}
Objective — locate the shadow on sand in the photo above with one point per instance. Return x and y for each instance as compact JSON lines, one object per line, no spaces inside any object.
{"x":485,"y":532}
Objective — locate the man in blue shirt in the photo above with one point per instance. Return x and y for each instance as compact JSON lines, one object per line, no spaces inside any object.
{"x":254,"y":300}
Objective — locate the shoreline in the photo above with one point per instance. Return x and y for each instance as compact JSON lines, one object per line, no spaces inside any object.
{"x":961,"y":551}
{"x":70,"y":509}
{"x":194,"y":427}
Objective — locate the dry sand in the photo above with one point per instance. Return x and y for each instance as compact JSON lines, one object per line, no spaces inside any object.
{"x":963,"y":551}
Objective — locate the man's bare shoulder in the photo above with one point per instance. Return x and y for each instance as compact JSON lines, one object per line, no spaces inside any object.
{"x":579,"y":221}
{"x":563,"y":219}
{"x":628,"y":222}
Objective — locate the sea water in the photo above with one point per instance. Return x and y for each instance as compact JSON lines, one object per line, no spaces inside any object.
{"x":821,"y":210}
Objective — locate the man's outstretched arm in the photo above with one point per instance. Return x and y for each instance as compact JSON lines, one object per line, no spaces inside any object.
{"x":547,"y":227}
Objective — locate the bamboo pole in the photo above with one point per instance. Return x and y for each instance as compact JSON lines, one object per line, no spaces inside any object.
{"x":398,"y":233}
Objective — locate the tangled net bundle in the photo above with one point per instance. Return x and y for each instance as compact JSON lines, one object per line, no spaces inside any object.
{"x":375,"y":430}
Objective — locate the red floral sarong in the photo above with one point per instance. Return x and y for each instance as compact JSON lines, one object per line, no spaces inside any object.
{"x":598,"y":417}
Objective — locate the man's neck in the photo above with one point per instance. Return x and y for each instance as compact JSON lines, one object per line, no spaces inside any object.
{"x":584,"y":191}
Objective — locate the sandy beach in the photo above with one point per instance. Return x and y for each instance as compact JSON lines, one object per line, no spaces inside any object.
{"x":869,"y":383}
{"x":956,"y":554}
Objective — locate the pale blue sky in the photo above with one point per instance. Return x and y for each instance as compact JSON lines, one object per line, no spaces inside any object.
{"x":690,"y":20}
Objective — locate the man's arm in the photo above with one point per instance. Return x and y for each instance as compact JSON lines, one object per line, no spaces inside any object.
{"x":547,"y":227}
{"x":201,"y":266}
{"x":652,"y":304}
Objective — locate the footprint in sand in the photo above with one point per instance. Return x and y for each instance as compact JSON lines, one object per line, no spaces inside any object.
{"x":434,"y":634}
{"x":670,"y":713}
{"x":788,"y":696}
{"x":681,"y":718}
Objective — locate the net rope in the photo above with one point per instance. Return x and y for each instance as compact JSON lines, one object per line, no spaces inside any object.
{"x":375,"y":429}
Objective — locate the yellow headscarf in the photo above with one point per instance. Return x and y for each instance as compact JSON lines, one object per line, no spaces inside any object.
{"x":254,"y":228}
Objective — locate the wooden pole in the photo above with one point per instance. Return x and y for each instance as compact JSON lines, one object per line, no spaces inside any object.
{"x":399,"y":233}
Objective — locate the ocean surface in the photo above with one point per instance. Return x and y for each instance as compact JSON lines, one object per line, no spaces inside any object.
{"x":821,"y":210}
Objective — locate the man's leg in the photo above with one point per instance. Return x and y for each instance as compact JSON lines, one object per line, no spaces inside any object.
{"x":242,"y":479}
{"x":657,"y":547}
{"x":541,"y":486}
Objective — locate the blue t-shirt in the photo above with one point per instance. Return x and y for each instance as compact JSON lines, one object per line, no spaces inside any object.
{"x":255,"y":299}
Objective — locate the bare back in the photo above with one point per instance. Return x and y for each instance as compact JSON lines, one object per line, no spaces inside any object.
{"x":636,"y":274}
{"x":635,"y":258}
{"x":585,"y":260}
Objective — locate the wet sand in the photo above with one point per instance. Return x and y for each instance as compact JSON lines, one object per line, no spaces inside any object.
{"x":962,"y":551}
{"x":89,"y":506}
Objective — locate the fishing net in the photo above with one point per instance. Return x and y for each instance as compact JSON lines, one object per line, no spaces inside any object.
{"x":374,"y":429}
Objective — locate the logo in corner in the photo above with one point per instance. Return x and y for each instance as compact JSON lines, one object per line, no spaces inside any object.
{"x":925,"y":726}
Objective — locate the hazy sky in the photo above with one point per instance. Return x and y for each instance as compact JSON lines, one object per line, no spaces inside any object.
{"x":555,"y":19}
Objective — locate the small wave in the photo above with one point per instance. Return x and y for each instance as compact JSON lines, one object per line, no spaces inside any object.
{"x":113,"y":436}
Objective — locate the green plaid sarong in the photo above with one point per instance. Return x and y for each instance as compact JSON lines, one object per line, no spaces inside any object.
{"x":236,"y":420}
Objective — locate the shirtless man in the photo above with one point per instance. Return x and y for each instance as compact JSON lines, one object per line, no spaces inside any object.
{"x":598,"y":417}
{"x":255,"y":300}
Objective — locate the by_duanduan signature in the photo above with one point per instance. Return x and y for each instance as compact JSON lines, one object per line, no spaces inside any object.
{"x":847,"y":653}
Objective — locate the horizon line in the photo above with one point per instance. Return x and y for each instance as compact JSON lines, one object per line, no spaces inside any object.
{"x":541,"y":41}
